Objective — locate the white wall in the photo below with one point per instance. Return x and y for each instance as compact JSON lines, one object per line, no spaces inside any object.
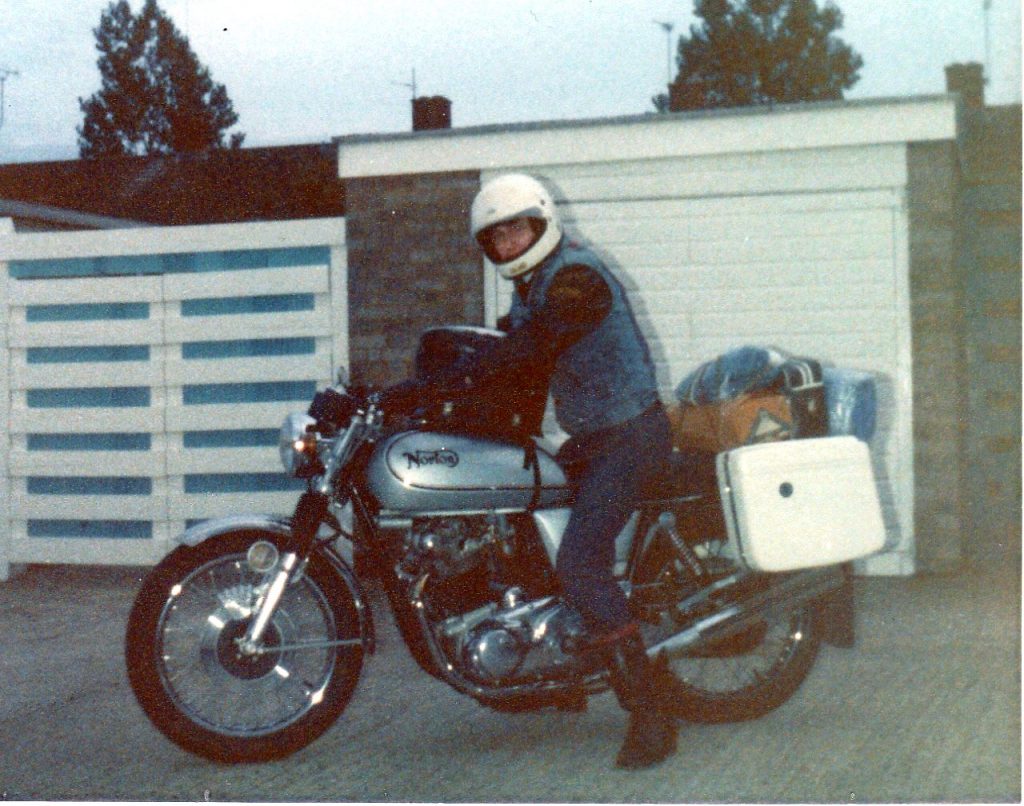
{"x":177,"y":315}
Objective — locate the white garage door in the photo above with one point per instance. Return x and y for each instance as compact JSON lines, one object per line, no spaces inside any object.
{"x":801,"y":250}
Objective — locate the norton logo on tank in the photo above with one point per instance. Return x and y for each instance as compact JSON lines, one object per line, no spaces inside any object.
{"x":441,"y":457}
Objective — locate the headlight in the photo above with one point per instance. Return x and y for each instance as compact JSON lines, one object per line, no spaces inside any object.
{"x":297,"y":444}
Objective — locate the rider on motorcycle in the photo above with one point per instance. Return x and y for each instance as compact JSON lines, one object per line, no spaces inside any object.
{"x":570,"y":323}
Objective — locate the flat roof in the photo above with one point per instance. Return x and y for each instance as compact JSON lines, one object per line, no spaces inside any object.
{"x":651,"y":135}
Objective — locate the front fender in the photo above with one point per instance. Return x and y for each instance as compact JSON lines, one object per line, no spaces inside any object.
{"x":281,"y":526}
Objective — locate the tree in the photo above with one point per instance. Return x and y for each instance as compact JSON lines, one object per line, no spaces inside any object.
{"x":761,"y":51}
{"x":156,"y":98}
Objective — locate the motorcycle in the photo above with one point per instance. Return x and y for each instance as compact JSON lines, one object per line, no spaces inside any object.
{"x":247,"y":641}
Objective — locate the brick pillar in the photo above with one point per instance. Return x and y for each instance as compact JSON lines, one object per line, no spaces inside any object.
{"x":937,"y":292}
{"x":411,"y":266}
{"x":991,"y":152}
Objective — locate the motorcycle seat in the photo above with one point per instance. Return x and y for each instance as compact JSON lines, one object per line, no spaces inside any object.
{"x":688,"y":473}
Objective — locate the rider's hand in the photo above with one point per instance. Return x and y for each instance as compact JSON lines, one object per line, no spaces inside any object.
{"x":404,"y":397}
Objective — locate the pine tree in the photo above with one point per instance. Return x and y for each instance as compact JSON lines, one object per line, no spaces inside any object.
{"x":762,"y":51}
{"x":156,"y":98}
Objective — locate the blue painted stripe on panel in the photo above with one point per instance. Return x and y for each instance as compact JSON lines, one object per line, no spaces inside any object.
{"x":267,"y":303}
{"x":82,"y":355}
{"x":89,"y":485}
{"x":87,"y":311}
{"x":241,"y":259}
{"x":232,"y":438}
{"x":117,"y":530}
{"x":298,"y":256}
{"x":134,"y":265}
{"x":130,"y":266}
{"x":268,"y":392}
{"x":89,"y":442}
{"x":241,"y":483}
{"x":117,"y":397}
{"x":247,"y":348}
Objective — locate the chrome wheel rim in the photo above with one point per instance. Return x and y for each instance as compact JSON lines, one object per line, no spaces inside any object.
{"x":216,"y":686}
{"x":743,"y":662}
{"x":746,"y":661}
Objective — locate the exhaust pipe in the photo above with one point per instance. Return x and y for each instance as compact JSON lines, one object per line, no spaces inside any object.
{"x":778,"y":595}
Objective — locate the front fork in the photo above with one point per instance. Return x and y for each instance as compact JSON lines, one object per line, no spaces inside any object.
{"x":310,"y":512}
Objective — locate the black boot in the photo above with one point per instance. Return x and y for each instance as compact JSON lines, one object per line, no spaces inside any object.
{"x":651,"y":734}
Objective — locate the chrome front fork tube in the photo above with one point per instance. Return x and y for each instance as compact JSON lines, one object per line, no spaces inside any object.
{"x":309,"y":515}
{"x":265,"y":608}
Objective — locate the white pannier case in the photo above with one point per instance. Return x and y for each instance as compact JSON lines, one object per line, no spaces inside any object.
{"x":800,"y":503}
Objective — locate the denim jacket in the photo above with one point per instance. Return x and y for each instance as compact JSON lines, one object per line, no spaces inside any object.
{"x":606,"y":377}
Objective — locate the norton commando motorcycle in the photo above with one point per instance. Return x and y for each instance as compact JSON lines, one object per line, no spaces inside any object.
{"x":246,"y":642}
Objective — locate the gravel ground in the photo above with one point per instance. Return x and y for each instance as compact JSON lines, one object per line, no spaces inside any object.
{"x":926,"y":708}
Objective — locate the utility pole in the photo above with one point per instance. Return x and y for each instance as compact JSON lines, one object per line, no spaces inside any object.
{"x":5,"y":73}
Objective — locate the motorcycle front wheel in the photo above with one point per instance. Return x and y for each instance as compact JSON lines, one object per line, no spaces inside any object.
{"x":200,"y":691}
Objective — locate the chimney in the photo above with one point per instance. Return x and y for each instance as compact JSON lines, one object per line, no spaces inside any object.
{"x":968,"y":80}
{"x":434,"y":112}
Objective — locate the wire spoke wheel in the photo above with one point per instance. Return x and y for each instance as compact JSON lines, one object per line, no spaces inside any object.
{"x":745,"y":674}
{"x":208,"y":677}
{"x":192,"y":677}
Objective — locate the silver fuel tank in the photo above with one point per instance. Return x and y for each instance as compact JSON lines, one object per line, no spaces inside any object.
{"x":429,"y":472}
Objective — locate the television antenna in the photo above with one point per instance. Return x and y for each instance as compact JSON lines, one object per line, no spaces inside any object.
{"x":986,"y":8}
{"x":667,"y":28}
{"x":5,"y":73}
{"x":411,"y":86}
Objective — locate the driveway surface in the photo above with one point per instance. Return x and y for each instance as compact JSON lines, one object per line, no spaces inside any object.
{"x":925,"y":708}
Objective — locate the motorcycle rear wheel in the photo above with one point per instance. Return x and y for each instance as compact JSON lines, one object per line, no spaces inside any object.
{"x":748,"y":675}
{"x":205,"y":696}
{"x":745,"y":675}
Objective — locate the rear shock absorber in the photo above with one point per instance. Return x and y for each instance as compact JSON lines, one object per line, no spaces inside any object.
{"x":667,"y":523}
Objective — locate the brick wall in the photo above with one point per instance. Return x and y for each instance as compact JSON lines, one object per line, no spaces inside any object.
{"x":964,"y":203}
{"x":937,"y":293}
{"x":410,"y":266}
{"x":991,"y":155}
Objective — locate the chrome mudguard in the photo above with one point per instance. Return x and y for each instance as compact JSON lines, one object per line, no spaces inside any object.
{"x":281,"y":526}
{"x":204,"y":530}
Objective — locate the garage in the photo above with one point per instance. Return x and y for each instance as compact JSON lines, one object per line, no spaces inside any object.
{"x":785,"y":227}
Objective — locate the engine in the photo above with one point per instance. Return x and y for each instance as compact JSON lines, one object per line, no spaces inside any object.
{"x":516,"y":642}
{"x":490,"y":597}
{"x":453,"y":546}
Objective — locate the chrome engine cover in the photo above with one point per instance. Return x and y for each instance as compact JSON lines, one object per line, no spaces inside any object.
{"x":493,"y":652}
{"x":517,"y":644}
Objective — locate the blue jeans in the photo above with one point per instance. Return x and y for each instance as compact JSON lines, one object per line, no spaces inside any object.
{"x":609,"y":470}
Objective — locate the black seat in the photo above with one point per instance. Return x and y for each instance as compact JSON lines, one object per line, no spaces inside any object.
{"x":688,"y":473}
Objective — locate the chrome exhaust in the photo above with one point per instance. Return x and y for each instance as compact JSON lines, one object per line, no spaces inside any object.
{"x":776,"y":594}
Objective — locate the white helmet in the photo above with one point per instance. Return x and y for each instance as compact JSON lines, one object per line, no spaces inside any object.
{"x":507,"y":198}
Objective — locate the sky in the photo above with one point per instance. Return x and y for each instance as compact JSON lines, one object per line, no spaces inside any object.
{"x":307,"y":71}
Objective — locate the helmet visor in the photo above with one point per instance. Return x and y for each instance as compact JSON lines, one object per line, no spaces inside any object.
{"x":506,"y":241}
